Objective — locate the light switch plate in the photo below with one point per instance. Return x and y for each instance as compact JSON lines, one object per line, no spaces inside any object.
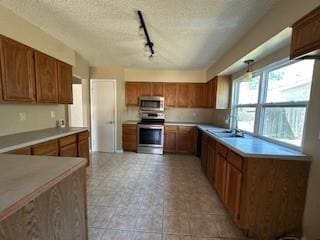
{"x":22,"y":116}
{"x":53,"y":114}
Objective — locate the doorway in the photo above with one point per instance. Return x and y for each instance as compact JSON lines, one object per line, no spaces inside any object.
{"x":76,"y":109}
{"x":103,"y":115}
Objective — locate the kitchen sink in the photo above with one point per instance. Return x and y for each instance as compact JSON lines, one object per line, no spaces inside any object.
{"x":225,"y":134}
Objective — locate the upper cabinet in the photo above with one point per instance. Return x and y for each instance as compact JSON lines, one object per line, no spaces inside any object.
{"x":157,"y":89}
{"x":28,"y":75}
{"x":136,"y":89}
{"x":305,"y":41}
{"x":219,"y":92}
{"x":64,"y":83}
{"x":46,"y":78}
{"x":214,"y":94}
{"x":17,"y":72}
{"x":170,"y":94}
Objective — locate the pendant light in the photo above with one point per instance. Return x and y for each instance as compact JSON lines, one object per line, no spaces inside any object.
{"x":248,"y":74}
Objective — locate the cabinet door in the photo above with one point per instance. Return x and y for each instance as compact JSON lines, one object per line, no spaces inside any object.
{"x":49,"y":148}
{"x":21,"y":151}
{"x":306,"y":35}
{"x":69,"y":150}
{"x":144,"y":89}
{"x":199,"y":95}
{"x":83,"y":148}
{"x":170,"y":139}
{"x":17,"y":65}
{"x":204,"y":152}
{"x":186,"y":140}
{"x":233,"y":190}
{"x":129,"y":137}
{"x":157,"y":89}
{"x":132,"y":93}
{"x":220,"y":175}
{"x":46,"y":78}
{"x":211,"y":95}
{"x":64,"y":83}
{"x":211,"y":163}
{"x":183,"y":95}
{"x":170,"y":94}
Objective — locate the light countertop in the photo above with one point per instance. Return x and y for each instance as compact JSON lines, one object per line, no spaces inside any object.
{"x":21,"y":140}
{"x":249,"y":146}
{"x":23,"y":178}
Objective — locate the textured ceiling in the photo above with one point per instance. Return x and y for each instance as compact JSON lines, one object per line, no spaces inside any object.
{"x":187,"y":34}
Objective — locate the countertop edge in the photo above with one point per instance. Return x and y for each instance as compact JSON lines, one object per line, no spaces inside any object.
{"x":32,"y":195}
{"x":41,"y":140}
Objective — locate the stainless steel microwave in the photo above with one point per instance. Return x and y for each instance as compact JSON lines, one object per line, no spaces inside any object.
{"x":151,"y":104}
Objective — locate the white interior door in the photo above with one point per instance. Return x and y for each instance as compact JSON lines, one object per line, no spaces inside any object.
{"x":103,"y":115}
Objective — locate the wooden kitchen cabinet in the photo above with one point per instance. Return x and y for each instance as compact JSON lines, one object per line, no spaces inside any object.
{"x":83,"y":145}
{"x":218,"y":95}
{"x":64,"y":83}
{"x":170,"y":139}
{"x":170,"y":94}
{"x":183,"y":95}
{"x":233,"y":190}
{"x":70,"y":150}
{"x":186,"y":140}
{"x":211,"y":159}
{"x":21,"y":151}
{"x":17,"y":71}
{"x":46,"y":78}
{"x":198,"y":95}
{"x":134,"y":90}
{"x":157,"y":89}
{"x":305,"y":40}
{"x":204,"y":152}
{"x":220,"y":174}
{"x":49,"y":148}
{"x":129,"y":137}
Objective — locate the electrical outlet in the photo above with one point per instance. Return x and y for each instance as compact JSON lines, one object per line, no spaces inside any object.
{"x":22,"y":116}
{"x":53,"y":114}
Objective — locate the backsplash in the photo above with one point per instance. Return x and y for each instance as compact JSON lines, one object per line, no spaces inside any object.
{"x":197,"y":115}
{"x":17,"y":118}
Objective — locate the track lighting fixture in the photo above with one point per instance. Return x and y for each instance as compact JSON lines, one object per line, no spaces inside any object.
{"x":144,"y":32}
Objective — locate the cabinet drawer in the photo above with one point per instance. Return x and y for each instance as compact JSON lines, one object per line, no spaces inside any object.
{"x":221,"y":149}
{"x":67,"y":140}
{"x":170,"y":128}
{"x":235,"y":159}
{"x":21,"y":151}
{"x":45,"y":148}
{"x":83,"y":135}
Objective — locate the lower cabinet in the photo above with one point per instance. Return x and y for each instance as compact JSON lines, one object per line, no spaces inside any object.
{"x":129,"y":137}
{"x":211,"y":160}
{"x":76,"y":145}
{"x":204,"y":152}
{"x":49,"y":148}
{"x":70,"y":150}
{"x":21,"y":151}
{"x":233,"y":190}
{"x":170,"y":139}
{"x":220,"y":174}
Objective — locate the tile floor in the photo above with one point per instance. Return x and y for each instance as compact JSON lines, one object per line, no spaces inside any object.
{"x":149,"y":197}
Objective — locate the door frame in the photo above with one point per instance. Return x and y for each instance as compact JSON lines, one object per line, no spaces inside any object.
{"x":114,"y":81}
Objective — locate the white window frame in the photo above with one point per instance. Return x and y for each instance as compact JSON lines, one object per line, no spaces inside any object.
{"x":261,"y":104}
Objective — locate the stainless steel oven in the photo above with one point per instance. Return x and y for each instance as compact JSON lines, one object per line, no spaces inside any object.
{"x":150,"y":138}
{"x":151,"y":104}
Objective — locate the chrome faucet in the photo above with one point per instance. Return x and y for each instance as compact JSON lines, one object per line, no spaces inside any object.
{"x":236,"y":130}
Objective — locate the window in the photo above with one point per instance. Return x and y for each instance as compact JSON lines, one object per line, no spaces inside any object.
{"x":273,"y":105}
